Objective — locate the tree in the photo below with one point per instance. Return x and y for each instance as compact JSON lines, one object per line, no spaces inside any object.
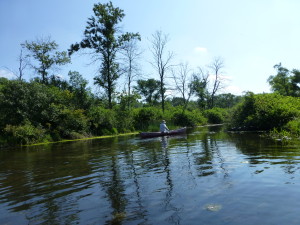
{"x":103,"y":37}
{"x":149,"y":89}
{"x":78,"y":86}
{"x":216,"y":68}
{"x":183,"y":82}
{"x":23,"y":63}
{"x":161,"y":60}
{"x":199,"y":87}
{"x":131,"y":54}
{"x":227,"y":100}
{"x":44,"y":51}
{"x":285,"y":82}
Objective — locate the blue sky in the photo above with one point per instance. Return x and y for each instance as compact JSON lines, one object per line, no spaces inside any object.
{"x":251,"y":36}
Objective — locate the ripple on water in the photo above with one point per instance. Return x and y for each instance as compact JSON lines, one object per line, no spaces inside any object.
{"x":213,"y":207}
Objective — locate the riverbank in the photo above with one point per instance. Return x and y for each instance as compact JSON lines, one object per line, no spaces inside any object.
{"x":84,"y":139}
{"x":70,"y":140}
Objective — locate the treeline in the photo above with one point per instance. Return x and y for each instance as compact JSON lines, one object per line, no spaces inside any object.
{"x":32,"y":112}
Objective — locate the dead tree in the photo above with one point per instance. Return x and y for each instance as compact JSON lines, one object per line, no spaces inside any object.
{"x":161,"y":60}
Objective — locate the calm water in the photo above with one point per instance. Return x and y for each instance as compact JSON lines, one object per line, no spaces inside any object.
{"x":204,"y":177}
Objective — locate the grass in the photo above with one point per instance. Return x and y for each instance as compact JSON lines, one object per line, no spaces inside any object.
{"x":83,"y":139}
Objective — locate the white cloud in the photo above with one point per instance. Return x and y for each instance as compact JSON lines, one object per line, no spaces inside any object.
{"x":233,"y":90}
{"x":200,"y":50}
{"x":6,"y":73}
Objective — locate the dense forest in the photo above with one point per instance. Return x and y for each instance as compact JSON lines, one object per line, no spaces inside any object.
{"x":48,"y":108}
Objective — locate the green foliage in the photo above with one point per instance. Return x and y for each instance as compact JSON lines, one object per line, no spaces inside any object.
{"x":70,"y":121}
{"x":143,"y":117}
{"x":216,"y":115}
{"x":294,"y":127}
{"x":24,"y":134}
{"x":103,"y":121}
{"x":125,"y":120}
{"x":78,"y":86}
{"x":188,"y":118}
{"x":285,"y":82}
{"x":265,"y":111}
{"x":149,"y":89}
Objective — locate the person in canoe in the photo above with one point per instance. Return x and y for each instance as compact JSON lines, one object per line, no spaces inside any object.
{"x":163,"y":127}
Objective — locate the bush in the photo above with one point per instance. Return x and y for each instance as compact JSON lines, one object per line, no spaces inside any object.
{"x":216,"y":115}
{"x":188,"y":118}
{"x":265,"y":111}
{"x":125,"y":120}
{"x":25,"y":134}
{"x":103,"y":121}
{"x":143,"y":117}
{"x":294,"y":127}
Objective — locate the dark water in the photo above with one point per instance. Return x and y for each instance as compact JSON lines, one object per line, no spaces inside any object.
{"x":204,"y":177}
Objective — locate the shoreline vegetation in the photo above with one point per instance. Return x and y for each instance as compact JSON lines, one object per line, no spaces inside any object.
{"x":34,"y":113}
{"x":82,"y":139}
{"x":102,"y":137}
{"x":48,"y":108}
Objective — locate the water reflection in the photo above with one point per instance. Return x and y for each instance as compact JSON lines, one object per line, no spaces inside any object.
{"x":165,"y":180}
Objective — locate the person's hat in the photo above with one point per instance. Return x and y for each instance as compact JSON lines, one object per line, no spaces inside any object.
{"x":163,"y":121}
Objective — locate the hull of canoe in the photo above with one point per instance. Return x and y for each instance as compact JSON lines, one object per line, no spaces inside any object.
{"x":159,"y":134}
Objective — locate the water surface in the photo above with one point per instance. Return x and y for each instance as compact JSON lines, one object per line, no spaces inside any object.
{"x":204,"y":177}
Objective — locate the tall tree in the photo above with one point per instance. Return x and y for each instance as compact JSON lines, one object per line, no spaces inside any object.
{"x":104,"y":38}
{"x":44,"y":51}
{"x":216,"y":68}
{"x":183,"y":82}
{"x":161,"y":60}
{"x":131,"y":54}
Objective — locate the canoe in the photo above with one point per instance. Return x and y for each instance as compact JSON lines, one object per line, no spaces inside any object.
{"x":159,"y":134}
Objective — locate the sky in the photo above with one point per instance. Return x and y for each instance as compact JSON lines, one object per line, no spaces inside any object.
{"x":250,"y":36}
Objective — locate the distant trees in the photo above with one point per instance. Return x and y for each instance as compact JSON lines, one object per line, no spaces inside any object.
{"x":161,"y":60}
{"x":285,"y":82}
{"x":44,"y":52}
{"x":103,"y":37}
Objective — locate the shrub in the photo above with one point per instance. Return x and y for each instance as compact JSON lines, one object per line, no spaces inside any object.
{"x":266,"y":111}
{"x":143,"y":117}
{"x":216,"y":115}
{"x":24,"y":134}
{"x":188,"y":118}
{"x":294,"y":127}
{"x":125,"y":120}
{"x":103,"y":121}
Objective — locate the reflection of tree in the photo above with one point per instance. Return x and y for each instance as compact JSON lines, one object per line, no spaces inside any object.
{"x":219,"y":157}
{"x":136,"y":196}
{"x":174,"y":218}
{"x":204,"y":158}
{"x":115,"y":191}
{"x":262,"y":150}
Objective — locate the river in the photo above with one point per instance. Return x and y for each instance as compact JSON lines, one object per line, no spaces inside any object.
{"x":207,"y":176}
